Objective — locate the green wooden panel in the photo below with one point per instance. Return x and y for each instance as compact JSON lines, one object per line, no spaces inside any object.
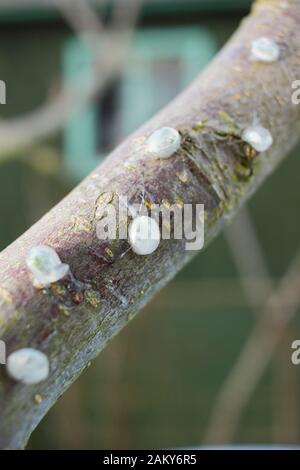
{"x":79,"y":133}
{"x":179,"y":52}
{"x":192,"y":48}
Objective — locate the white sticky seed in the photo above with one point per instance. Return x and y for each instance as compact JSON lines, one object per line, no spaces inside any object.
{"x":164,"y":142}
{"x":258,"y":137}
{"x":144,"y":235}
{"x":264,"y":50}
{"x":45,"y":265}
{"x":28,"y":366}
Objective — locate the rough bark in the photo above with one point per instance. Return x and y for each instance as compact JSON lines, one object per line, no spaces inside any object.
{"x":74,"y":319}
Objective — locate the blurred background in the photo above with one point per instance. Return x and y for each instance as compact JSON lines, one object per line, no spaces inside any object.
{"x":167,"y":380}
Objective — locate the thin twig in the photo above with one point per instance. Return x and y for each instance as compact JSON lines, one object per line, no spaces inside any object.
{"x":279,"y":309}
{"x":108,"y":60}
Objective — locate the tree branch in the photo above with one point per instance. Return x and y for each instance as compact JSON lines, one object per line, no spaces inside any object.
{"x":73,"y":320}
{"x":23,"y":131}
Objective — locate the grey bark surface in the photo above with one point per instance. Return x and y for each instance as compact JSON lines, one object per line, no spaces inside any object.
{"x":73,"y":319}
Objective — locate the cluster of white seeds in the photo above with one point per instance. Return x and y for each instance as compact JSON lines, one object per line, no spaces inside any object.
{"x":164,"y":142}
{"x":264,"y":50}
{"x":28,"y":366}
{"x":45,"y":265}
{"x":258,"y":137}
{"x":144,"y":235}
